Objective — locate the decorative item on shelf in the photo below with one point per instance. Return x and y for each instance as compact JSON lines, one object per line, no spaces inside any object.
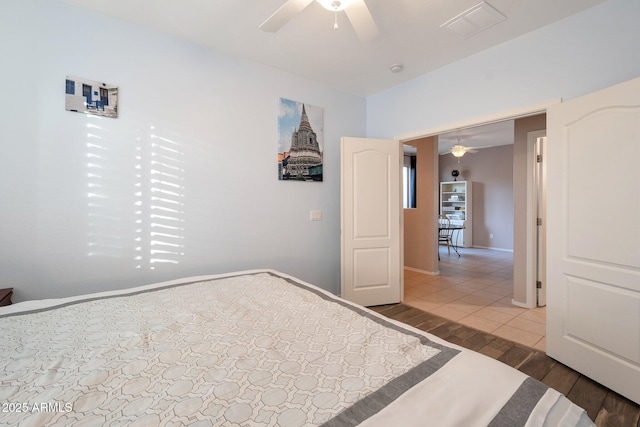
{"x":455,"y":173}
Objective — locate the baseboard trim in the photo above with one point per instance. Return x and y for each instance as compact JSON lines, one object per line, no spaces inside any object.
{"x":417,"y":270}
{"x":520,"y":304}
{"x":492,"y":248}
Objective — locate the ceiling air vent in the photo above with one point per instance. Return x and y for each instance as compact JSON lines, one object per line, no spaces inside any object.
{"x":474,"y":20}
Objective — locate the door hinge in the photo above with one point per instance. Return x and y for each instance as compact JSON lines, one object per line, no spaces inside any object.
{"x":538,"y":158}
{"x":538,"y":284}
{"x":538,"y":221}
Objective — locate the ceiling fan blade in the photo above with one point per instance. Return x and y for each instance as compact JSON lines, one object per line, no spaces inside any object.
{"x":362,"y":21}
{"x":281,"y":16}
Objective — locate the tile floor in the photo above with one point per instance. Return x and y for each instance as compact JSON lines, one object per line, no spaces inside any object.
{"x":476,"y":289}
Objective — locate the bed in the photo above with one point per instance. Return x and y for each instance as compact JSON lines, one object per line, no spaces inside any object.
{"x":250,"y":348}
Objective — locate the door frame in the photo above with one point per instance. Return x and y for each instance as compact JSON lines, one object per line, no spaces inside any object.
{"x":510,"y":114}
{"x":533,"y":198}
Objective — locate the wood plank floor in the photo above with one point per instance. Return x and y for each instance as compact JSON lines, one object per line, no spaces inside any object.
{"x":604,"y":407}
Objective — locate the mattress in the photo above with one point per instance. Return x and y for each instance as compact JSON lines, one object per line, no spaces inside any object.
{"x":250,"y":348}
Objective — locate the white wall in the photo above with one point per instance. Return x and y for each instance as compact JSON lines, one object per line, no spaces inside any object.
{"x":577,"y":55}
{"x":219,"y":113}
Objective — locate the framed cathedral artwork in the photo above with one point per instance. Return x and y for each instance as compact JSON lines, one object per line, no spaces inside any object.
{"x":300,"y":141}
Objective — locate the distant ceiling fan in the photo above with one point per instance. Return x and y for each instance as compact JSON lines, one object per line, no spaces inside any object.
{"x":356,"y":10}
{"x":460,"y":150}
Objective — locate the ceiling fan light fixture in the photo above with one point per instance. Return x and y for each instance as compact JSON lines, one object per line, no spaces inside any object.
{"x":334,"y":5}
{"x":458,"y":150}
{"x":356,"y":10}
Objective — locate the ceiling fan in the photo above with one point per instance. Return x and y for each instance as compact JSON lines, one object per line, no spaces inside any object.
{"x":356,"y":10}
{"x":459,"y":150}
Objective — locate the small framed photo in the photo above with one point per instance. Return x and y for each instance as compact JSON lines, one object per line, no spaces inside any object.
{"x":91,"y":97}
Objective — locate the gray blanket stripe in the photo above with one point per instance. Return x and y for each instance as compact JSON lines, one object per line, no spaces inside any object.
{"x":517,"y":410}
{"x":378,"y":319}
{"x":126,"y":294}
{"x":378,"y":400}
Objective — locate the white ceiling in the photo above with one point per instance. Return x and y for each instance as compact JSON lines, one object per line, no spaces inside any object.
{"x":410,"y":34}
{"x":308,"y":46}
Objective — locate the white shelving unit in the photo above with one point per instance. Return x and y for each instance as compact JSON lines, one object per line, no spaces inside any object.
{"x":455,"y":203}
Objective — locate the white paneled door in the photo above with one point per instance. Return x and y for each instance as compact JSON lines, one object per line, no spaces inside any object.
{"x":593,"y":236}
{"x":371,"y":221}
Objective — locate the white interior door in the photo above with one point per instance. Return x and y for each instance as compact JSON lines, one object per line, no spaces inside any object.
{"x":593,"y":236}
{"x":371,"y":220}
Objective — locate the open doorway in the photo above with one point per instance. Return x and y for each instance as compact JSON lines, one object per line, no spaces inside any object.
{"x":515,"y":208}
{"x":502,"y":215}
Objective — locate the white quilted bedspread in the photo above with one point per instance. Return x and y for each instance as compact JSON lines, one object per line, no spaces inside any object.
{"x":244,"y":350}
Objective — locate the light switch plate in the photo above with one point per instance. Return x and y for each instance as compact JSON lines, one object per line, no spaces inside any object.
{"x":315,"y":215}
